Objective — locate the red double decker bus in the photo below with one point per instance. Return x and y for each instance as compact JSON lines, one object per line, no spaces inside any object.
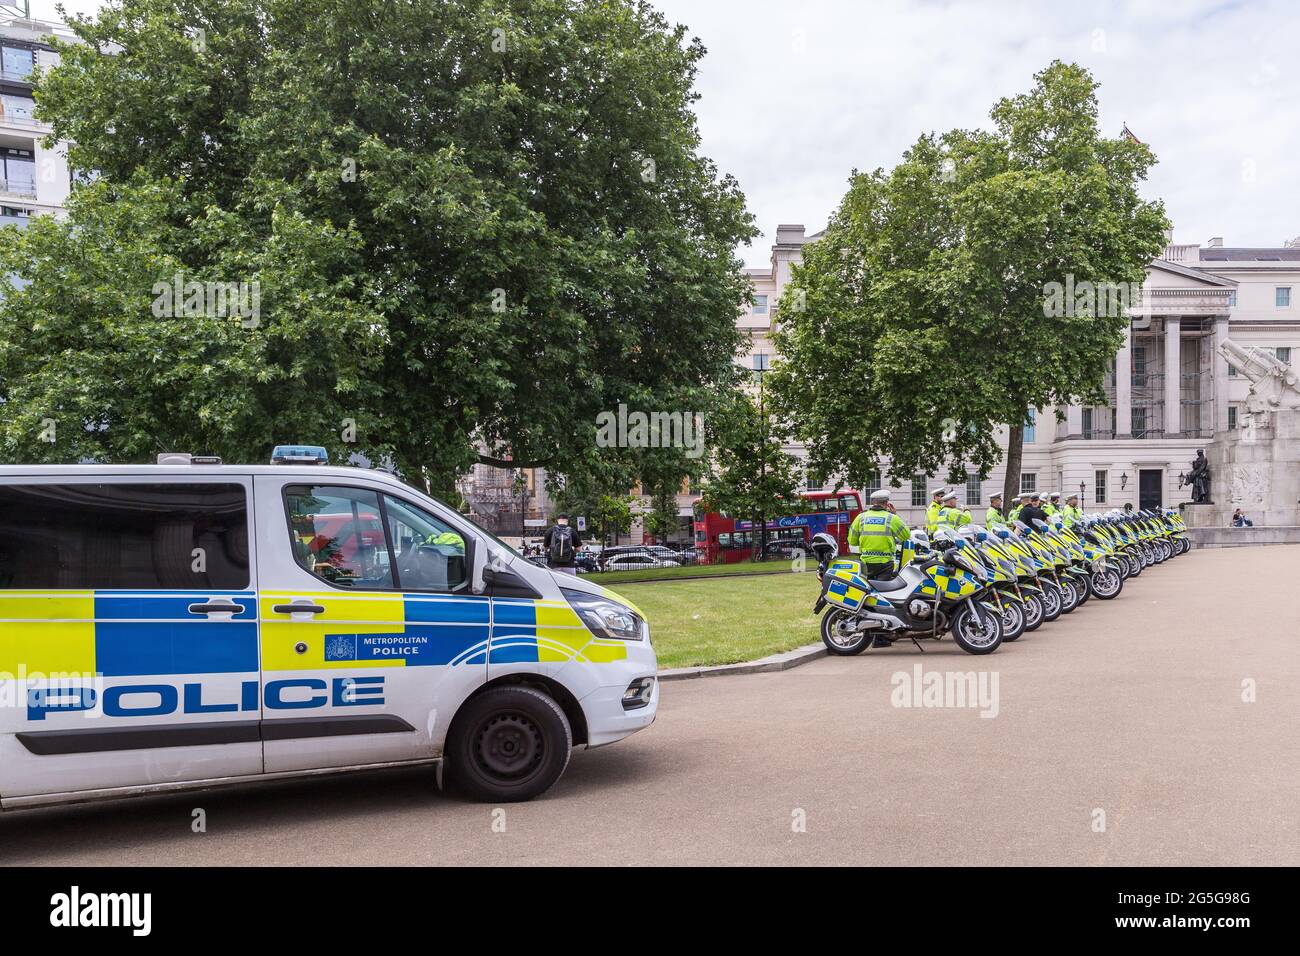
{"x":725,"y":540}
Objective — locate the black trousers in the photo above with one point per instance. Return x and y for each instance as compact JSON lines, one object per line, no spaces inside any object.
{"x":883,"y":569}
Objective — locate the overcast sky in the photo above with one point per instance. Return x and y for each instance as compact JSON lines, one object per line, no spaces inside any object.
{"x":797,"y":94}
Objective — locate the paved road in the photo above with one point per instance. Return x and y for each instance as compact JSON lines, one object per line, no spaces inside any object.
{"x":1132,"y":707}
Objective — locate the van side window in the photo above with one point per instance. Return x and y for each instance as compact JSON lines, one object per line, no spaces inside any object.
{"x":118,"y":536}
{"x":430,"y":555}
{"x":337,"y":534}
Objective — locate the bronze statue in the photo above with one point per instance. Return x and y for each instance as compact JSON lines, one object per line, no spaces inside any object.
{"x":1199,"y":479}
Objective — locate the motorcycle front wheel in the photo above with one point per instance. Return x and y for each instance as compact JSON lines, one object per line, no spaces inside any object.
{"x":1084,"y":583}
{"x":1069,"y":593}
{"x":971,"y":636}
{"x":1013,"y":620}
{"x":1033,"y":612}
{"x":1107,"y":584}
{"x":1051,"y":601}
{"x":839,"y":638}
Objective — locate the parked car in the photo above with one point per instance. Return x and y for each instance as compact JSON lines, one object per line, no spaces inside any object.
{"x":664,"y":553}
{"x":785,"y":548}
{"x":636,"y":561}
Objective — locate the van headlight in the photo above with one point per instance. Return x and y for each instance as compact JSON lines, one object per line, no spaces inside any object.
{"x":606,"y":618}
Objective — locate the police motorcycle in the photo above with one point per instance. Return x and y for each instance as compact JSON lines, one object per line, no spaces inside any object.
{"x":1165,"y":538}
{"x":1005,"y":574}
{"x":1093,"y":563}
{"x":1058,"y":598}
{"x":1069,"y":576}
{"x":1042,"y":590}
{"x":1027,"y":567}
{"x":1176,"y":529}
{"x":944,"y":591}
{"x":1111,"y":529}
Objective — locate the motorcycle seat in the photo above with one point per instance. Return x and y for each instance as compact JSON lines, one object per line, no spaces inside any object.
{"x":887,"y":584}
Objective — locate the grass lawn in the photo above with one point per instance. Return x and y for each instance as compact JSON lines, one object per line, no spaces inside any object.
{"x":727,"y":621}
{"x":775,"y":566}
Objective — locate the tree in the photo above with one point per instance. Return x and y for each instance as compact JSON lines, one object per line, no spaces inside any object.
{"x":752,"y":475}
{"x":472,"y":225}
{"x":608,"y":513}
{"x":922,"y":321}
{"x":662,"y":519}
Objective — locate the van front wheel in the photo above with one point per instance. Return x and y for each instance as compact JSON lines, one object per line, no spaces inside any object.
{"x":508,"y":744}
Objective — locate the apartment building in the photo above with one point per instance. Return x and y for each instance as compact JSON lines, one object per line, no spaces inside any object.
{"x":34,"y":178}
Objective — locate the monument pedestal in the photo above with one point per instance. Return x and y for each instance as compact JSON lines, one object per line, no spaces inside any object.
{"x":1202,"y":516}
{"x":1256,"y":469}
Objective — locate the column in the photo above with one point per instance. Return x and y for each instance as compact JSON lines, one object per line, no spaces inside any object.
{"x":1220,"y":376}
{"x":1074,"y":421}
{"x":1173,"y":377}
{"x":1124,"y":386}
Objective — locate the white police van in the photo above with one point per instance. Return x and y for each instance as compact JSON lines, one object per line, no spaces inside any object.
{"x":191,"y":623}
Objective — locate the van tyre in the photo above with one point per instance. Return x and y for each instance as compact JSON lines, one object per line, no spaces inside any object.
{"x":508,"y":744}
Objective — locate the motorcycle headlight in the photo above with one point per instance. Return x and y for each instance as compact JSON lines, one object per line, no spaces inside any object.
{"x":606,"y":618}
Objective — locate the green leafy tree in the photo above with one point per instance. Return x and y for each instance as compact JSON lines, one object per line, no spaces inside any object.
{"x":608,"y":513}
{"x":662,"y":520}
{"x":752,"y":475}
{"x":473,"y":225}
{"x":922,"y":321}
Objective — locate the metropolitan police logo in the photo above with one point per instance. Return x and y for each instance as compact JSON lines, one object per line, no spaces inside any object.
{"x":341,"y":647}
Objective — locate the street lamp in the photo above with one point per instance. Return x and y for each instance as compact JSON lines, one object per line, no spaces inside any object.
{"x":762,"y":362}
{"x":1123,"y":481}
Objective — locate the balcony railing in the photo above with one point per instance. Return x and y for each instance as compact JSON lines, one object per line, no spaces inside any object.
{"x":18,"y":187}
{"x":20,"y":120}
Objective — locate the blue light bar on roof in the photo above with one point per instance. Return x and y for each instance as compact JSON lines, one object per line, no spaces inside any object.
{"x":299,"y":455}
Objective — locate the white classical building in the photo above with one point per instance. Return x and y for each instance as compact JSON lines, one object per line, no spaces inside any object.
{"x":1169,"y":394}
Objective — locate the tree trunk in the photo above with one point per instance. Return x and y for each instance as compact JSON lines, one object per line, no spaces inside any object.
{"x":1015,"y":455}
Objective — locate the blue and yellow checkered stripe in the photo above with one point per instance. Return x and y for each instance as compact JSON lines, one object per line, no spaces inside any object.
{"x":124,"y":634}
{"x":375,"y":630}
{"x":121,"y":634}
{"x":547,"y":631}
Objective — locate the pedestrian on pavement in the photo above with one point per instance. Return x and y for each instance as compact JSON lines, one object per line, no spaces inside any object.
{"x":561,"y":544}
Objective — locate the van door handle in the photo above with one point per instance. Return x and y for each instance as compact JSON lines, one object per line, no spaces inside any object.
{"x":217,"y":607}
{"x":298,"y":608}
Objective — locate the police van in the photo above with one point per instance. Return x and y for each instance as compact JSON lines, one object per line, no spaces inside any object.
{"x":192,"y":623}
